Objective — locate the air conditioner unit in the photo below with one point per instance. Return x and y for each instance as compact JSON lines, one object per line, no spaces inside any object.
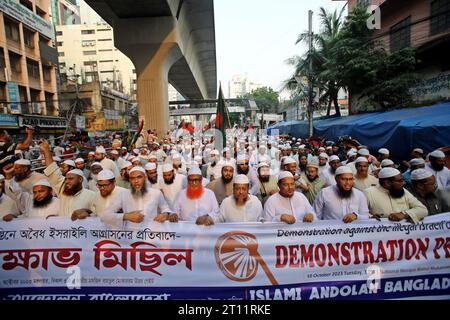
{"x":36,"y":107}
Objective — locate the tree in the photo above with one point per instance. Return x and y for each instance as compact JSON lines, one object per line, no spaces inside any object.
{"x":265,"y":97}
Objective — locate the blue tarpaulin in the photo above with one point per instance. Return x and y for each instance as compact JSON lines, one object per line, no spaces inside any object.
{"x":400,"y":130}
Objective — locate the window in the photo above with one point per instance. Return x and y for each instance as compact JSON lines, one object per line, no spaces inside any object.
{"x":62,"y":64}
{"x":103,"y":29}
{"x":87,"y":31}
{"x":89,"y":63}
{"x":90,"y":74}
{"x":106,"y":61}
{"x":107,"y":71}
{"x":90,"y":53}
{"x":33,"y":69}
{"x":28,"y":37}
{"x":440,"y":13}
{"x":59,"y":43}
{"x":60,"y":54}
{"x":104,"y":39}
{"x":14,"y":60}
{"x":105,"y":50}
{"x":88,"y":43}
{"x":59,"y":33}
{"x":401,"y":35}
{"x":2,"y":59}
{"x":11,"y":30}
{"x":47,"y":74}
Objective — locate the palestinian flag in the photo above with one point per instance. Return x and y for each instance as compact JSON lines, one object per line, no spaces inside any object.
{"x":222,"y":122}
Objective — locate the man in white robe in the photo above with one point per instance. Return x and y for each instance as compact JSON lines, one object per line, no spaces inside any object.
{"x":171,"y":184}
{"x":100,"y":156}
{"x":341,"y":201}
{"x":241,"y":206}
{"x":8,"y":207}
{"x":329,"y":175}
{"x":24,"y":176}
{"x":438,"y":169}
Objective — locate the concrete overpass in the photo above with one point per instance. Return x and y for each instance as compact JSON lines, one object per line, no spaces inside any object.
{"x":169,"y":41}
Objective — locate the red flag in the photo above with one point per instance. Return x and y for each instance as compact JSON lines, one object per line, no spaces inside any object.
{"x":190,"y":128}
{"x":183,"y":125}
{"x":250,"y":127}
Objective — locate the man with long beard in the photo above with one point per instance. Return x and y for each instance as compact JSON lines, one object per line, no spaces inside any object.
{"x":75,"y":201}
{"x":195,"y":203}
{"x":214,"y":167}
{"x":172,"y":184}
{"x":241,"y":206}
{"x":124,"y":180}
{"x":329,"y":175}
{"x":8,"y":207}
{"x":341,"y":201}
{"x":268,"y":183}
{"x":438,"y":169}
{"x":24,"y":177}
{"x":390,"y":200}
{"x":223,"y":186}
{"x":40,"y":204}
{"x":137,"y":204}
{"x":242,"y":167}
{"x":152,"y":174}
{"x":313,"y":183}
{"x":100,"y":156}
{"x":96,"y":167}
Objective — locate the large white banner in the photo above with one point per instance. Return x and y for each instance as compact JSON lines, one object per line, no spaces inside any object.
{"x":59,"y":259}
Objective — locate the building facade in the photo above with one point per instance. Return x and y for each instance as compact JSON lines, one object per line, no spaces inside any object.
{"x":65,"y":12}
{"x":240,"y":85}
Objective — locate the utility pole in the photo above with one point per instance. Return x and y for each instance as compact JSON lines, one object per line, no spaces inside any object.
{"x":310,"y":76}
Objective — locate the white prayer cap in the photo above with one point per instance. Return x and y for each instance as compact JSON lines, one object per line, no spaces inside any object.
{"x":383,"y":151}
{"x":437,"y":154}
{"x":334,"y":158}
{"x":416,"y":161}
{"x":420,"y":174}
{"x":140,"y":169}
{"x":262,"y":146}
{"x":96,"y":164}
{"x":329,"y":147}
{"x":363,"y":152}
{"x":242,"y":158}
{"x":388,"y":173}
{"x":302,"y":146}
{"x":176,"y":156}
{"x":351,"y":152}
{"x":150,"y":166}
{"x":361,"y":159}
{"x":78,"y":172}
{"x":198,"y":159}
{"x":195,"y":170}
{"x":100,"y":149}
{"x":136,"y":151}
{"x":42,"y":182}
{"x":92,"y":153}
{"x":172,"y":152}
{"x":285,"y":174}
{"x":126,"y":164}
{"x":2,"y":177}
{"x":23,"y":162}
{"x":114,"y":152}
{"x":135,"y":159}
{"x":130,"y":158}
{"x":226,"y":149}
{"x":152,"y":156}
{"x":124,"y":148}
{"x":342,"y":170}
{"x":241,"y":179}
{"x":167,"y":167}
{"x":57,"y":159}
{"x":69,"y":163}
{"x":321,"y":149}
{"x":418,"y":150}
{"x":214,"y":152}
{"x":386,"y":162}
{"x":288,"y":160}
{"x":323,"y":155}
{"x":262,"y":164}
{"x":79,"y":160}
{"x":228,"y":164}
{"x":105,"y":174}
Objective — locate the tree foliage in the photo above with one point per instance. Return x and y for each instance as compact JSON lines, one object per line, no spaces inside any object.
{"x":265,"y":97}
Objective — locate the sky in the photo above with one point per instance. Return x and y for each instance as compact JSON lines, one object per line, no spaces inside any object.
{"x":256,"y":37}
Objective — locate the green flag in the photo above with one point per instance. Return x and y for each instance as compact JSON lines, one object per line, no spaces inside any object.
{"x":222,"y":120}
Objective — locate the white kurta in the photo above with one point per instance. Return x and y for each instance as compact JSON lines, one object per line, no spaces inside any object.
{"x":216,"y":171}
{"x":101,"y":203}
{"x":84,"y":199}
{"x":110,"y":165}
{"x":442,"y":177}
{"x":150,"y":204}
{"x":27,"y":184}
{"x":297,"y":206}
{"x":189,"y":210}
{"x":329,"y":177}
{"x":24,"y":201}
{"x":252,"y":211}
{"x":8,"y":206}
{"x":330,"y":206}
{"x":171,"y":191}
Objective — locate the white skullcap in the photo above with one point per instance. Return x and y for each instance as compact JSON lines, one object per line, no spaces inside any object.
{"x":262,"y":146}
{"x":167,"y":167}
{"x":57,"y":159}
{"x":152,"y":156}
{"x":198,"y":159}
{"x":241,"y":158}
{"x":361,"y":159}
{"x":262,"y":164}
{"x":115,"y":152}
{"x":126,"y":164}
{"x":140,"y":169}
{"x":69,"y":163}
{"x":78,"y":160}
{"x":241,"y":179}
{"x":351,"y":152}
{"x":226,"y":149}
{"x":228,"y":164}
{"x":78,"y":172}
{"x":323,"y":155}
{"x":420,"y":174}
{"x":92,"y":153}
{"x":124,"y":148}
{"x":388,"y":173}
{"x":172,"y":152}
{"x":437,"y":154}
{"x":214,"y":152}
{"x":386,"y":162}
{"x":288,"y":160}
{"x":418,"y":150}
{"x":416,"y":161}
{"x":383,"y":151}
{"x":96,"y":164}
{"x":302,"y":146}
{"x":334,"y":158}
{"x":342,"y":170}
{"x":285,"y":174}
{"x":363,"y":152}
{"x":130,"y":158}
{"x":100,"y":150}
{"x":321,"y":149}
{"x":135,"y":159}
{"x":105,"y":174}
{"x":176,"y":156}
{"x":195,"y":170}
{"x":42,"y":182}
{"x":23,"y":162}
{"x":136,"y":151}
{"x":150,"y":166}
{"x":329,"y":147}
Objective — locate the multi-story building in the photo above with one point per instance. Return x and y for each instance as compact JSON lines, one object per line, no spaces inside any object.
{"x":65,"y":12}
{"x":28,"y":93}
{"x":88,"y":50}
{"x":240,"y":85}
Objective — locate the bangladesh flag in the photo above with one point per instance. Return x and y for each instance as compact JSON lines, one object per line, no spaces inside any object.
{"x":222,"y":121}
